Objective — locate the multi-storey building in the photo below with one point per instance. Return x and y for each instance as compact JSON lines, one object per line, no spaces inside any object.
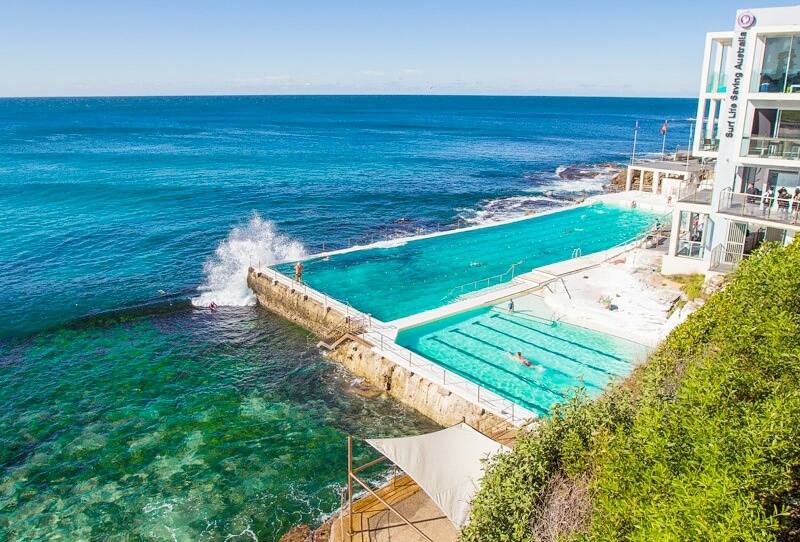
{"x":748,"y":126}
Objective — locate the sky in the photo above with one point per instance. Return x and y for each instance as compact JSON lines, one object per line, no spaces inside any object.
{"x":179,"y":47}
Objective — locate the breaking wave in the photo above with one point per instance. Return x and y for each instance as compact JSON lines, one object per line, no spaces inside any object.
{"x":255,"y":243}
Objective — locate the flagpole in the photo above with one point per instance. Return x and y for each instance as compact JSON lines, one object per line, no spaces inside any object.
{"x":635,"y":133}
{"x":663,"y":140}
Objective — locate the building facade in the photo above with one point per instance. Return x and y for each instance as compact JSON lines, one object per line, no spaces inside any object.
{"x":748,"y":127}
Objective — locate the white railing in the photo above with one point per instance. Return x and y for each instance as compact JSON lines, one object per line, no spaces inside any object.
{"x":477,"y":284}
{"x":377,"y":334}
{"x":472,"y":392}
{"x":723,"y":259}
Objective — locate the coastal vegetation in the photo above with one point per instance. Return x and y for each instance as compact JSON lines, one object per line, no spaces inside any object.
{"x":701,"y":442}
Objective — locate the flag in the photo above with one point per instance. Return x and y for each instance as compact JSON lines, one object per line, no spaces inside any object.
{"x":664,"y":128}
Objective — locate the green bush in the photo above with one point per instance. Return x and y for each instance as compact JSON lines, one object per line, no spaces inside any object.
{"x":701,"y":442}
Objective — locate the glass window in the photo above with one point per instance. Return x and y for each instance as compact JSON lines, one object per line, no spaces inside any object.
{"x":691,"y":236}
{"x":789,"y":125}
{"x":793,"y":71}
{"x":774,"y":67}
{"x":764,"y":122}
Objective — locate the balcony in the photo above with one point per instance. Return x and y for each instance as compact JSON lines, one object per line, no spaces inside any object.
{"x":701,"y":196}
{"x":709,"y":145}
{"x":771,"y":147}
{"x":758,"y":206}
{"x":724,"y":260}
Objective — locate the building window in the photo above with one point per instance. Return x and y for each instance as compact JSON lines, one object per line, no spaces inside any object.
{"x":775,"y":133}
{"x":691,"y":234}
{"x":780,"y":65}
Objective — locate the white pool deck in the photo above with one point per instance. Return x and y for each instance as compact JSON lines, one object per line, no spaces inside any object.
{"x":578,"y":309}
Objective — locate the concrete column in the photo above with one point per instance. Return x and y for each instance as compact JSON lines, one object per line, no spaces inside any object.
{"x":641,"y":180}
{"x":656,"y":179}
{"x":673,"y":236}
{"x":629,"y":179}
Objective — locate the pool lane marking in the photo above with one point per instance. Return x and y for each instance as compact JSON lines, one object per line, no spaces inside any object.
{"x":559,"y":354}
{"x":493,"y":388}
{"x":547,"y":367}
{"x":573,"y":343}
{"x":521,"y":377}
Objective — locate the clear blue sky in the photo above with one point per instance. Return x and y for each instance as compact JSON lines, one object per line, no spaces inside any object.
{"x":590,"y":47}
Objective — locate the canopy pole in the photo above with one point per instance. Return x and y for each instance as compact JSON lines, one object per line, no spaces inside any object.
{"x":350,"y":483}
{"x":390,"y":507}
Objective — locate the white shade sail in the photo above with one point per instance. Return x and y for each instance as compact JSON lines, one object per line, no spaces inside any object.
{"x":446,"y":464}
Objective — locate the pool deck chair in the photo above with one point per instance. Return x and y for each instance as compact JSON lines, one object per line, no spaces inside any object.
{"x":445,"y":465}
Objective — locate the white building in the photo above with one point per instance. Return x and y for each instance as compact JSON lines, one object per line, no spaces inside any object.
{"x":748,"y":121}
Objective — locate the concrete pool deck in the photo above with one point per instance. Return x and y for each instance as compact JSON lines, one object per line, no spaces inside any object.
{"x":413,"y":379}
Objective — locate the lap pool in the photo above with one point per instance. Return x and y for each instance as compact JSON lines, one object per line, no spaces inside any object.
{"x":422,"y":274}
{"x":477,"y":345}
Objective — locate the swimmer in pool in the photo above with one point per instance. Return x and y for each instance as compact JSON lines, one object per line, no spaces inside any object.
{"x":518,"y":357}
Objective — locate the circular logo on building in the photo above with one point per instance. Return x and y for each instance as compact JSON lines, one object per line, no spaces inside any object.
{"x":746,"y":20}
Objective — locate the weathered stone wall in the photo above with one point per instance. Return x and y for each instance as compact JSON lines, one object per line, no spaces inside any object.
{"x":430,"y":399}
{"x":296,"y":306}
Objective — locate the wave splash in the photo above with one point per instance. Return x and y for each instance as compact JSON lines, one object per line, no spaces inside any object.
{"x":257,"y":242}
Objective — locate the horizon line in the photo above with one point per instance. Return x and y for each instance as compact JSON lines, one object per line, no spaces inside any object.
{"x":319,"y":95}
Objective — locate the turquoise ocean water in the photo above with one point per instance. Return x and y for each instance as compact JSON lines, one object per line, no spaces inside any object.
{"x":128,"y":413}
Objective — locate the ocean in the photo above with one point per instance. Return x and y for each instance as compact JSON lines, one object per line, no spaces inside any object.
{"x":130,"y":412}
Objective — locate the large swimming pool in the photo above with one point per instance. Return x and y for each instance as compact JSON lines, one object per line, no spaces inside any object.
{"x":423,"y":274}
{"x":479,"y":345}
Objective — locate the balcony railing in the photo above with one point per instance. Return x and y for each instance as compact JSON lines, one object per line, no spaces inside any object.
{"x":709,"y":145}
{"x":724,"y":260}
{"x":784,"y":210}
{"x":690,"y":249}
{"x":771,"y":147}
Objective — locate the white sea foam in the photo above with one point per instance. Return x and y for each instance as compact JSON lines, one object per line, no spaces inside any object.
{"x":496,"y":210}
{"x":255,"y":243}
{"x":578,"y":178}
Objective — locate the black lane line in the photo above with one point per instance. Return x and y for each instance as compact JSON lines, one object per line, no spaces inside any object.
{"x":489,"y":386}
{"x":579,"y":345}
{"x":559,"y":354}
{"x":546,"y":367}
{"x":520,"y":377}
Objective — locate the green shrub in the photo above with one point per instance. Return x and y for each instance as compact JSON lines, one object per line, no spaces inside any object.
{"x":701,"y":442}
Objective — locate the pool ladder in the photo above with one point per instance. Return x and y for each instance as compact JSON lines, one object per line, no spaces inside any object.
{"x":576,"y":253}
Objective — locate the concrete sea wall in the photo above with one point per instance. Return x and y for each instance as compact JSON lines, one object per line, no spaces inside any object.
{"x":428,"y":398}
{"x":293,"y":305}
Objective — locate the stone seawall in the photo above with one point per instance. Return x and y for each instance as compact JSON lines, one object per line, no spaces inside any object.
{"x":428,"y":398}
{"x":293,"y":305}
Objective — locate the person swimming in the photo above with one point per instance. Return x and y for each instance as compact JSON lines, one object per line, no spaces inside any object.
{"x":518,"y":357}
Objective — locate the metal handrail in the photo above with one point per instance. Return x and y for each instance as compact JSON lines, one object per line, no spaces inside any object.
{"x":434,"y":372}
{"x":487,"y":280}
{"x":448,"y":379}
